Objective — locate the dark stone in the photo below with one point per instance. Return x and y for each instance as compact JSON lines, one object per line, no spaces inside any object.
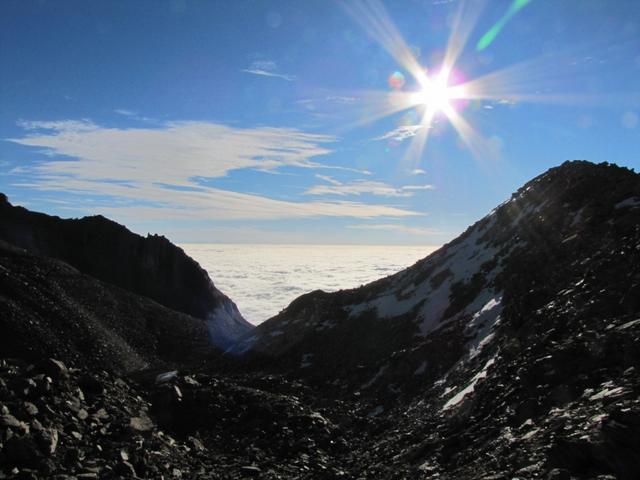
{"x":11,"y":421}
{"x":250,"y":471}
{"x":195,"y":444}
{"x":90,"y":385}
{"x":100,"y":415}
{"x":26,"y":475}
{"x":21,"y":451}
{"x":559,"y":474}
{"x":29,"y":409}
{"x":141,"y":424}
{"x":125,"y":469}
{"x":47,"y":440}
{"x":53,"y":368}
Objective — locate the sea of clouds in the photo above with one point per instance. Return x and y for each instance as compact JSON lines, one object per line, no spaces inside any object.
{"x":264,"y":279}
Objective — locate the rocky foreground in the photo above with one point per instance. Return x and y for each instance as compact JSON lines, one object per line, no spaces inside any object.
{"x":71,"y":423}
{"x":66,"y":423}
{"x":511,"y":353}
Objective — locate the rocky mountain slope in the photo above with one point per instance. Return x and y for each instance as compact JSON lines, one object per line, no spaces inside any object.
{"x":571,"y":229}
{"x":151,"y":266}
{"x":514,"y":348}
{"x":50,"y":309}
{"x":513,"y":352}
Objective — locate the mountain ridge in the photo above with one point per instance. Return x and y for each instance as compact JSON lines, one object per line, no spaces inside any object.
{"x":48,"y":308}
{"x":151,"y":266}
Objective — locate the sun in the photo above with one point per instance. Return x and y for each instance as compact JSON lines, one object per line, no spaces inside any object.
{"x":446,"y":91}
{"x":436,"y":94}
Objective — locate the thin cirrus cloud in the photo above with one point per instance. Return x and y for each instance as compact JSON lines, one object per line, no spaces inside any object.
{"x":133,"y":115}
{"x":267,"y":68}
{"x":398,"y":228}
{"x":361,"y":187}
{"x":401,"y":133}
{"x":158,"y":173}
{"x":326,"y":100}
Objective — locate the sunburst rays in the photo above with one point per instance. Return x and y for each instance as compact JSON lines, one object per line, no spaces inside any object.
{"x":528,"y":81}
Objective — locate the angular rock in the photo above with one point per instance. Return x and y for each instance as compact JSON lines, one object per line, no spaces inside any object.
{"x":21,"y":451}
{"x":141,"y":424}
{"x":47,"y":440}
{"x":250,"y":471}
{"x":53,"y":368}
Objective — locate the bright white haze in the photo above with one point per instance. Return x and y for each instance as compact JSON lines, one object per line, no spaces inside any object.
{"x":264,"y":279}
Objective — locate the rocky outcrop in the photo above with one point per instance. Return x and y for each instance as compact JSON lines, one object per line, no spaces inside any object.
{"x":151,"y":266}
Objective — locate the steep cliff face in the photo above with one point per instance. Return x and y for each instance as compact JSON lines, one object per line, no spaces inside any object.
{"x":150,"y":266}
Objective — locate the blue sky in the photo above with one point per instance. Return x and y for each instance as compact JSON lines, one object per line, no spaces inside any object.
{"x":262,"y":121}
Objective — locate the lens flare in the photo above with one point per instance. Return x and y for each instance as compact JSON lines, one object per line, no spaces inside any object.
{"x":488,"y":38}
{"x":396,"y":80}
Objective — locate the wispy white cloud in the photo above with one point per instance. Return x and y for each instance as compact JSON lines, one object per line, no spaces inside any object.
{"x":154,"y":202}
{"x":267,"y":68}
{"x":173,"y":154}
{"x":67,"y":126}
{"x":418,"y":171}
{"x":397,"y":228}
{"x":162,"y":173}
{"x":133,"y":115}
{"x":359,"y":187}
{"x":326,"y":100}
{"x":125,"y":112}
{"x":401,"y":133}
{"x":328,"y":179}
{"x":343,"y":99}
{"x":418,"y":187}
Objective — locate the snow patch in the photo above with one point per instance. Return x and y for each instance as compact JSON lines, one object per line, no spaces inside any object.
{"x":376,"y":411}
{"x":226,"y":325}
{"x":631,"y":202}
{"x":528,"y":210}
{"x":463,"y":260}
{"x":421,"y":369}
{"x":166,"y":377}
{"x":483,"y":322}
{"x":375,"y":377}
{"x":306,"y":360}
{"x":458,"y":397}
{"x":433,"y":309}
{"x":577,"y":218}
{"x":243,"y":346}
